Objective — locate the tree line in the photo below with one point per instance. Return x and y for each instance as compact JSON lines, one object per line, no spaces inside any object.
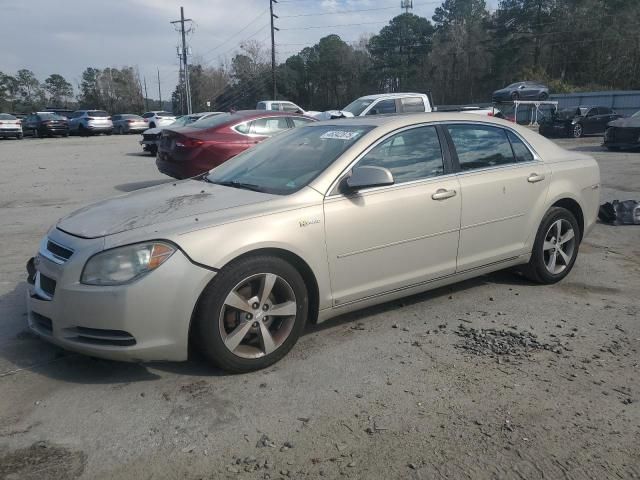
{"x":112,"y":89}
{"x":461,"y":55}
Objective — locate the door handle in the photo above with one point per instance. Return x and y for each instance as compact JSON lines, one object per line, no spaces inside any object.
{"x":534,"y":177}
{"x":442,"y":194}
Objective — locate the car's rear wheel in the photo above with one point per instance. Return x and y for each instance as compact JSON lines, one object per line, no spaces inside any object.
{"x":555,"y":248}
{"x":543,"y":96}
{"x":82,"y":131}
{"x":577,"y":130}
{"x":251,"y":314}
{"x":515,"y":96}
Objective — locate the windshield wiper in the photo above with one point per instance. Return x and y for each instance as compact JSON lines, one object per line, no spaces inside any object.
{"x":235,"y":184}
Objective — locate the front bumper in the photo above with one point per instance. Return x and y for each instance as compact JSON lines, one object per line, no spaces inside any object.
{"x":145,"y":320}
{"x":555,"y":129}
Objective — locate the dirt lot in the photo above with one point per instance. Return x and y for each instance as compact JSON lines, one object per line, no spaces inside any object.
{"x":410,"y":389}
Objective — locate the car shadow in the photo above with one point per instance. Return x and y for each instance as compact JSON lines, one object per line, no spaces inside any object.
{"x":139,"y":154}
{"x":130,"y":187}
{"x":21,"y":350}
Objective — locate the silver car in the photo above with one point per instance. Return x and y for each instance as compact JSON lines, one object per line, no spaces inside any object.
{"x":128,"y":123}
{"x":315,"y":222}
{"x":90,"y":122}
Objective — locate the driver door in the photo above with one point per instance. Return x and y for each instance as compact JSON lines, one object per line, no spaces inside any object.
{"x":382,"y":239}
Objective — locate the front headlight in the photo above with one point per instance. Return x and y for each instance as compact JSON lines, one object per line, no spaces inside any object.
{"x":124,"y":264}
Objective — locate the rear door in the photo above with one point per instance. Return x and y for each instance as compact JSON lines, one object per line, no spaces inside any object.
{"x":503,"y":184}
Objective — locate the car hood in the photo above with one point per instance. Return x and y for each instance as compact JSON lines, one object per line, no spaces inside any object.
{"x":625,"y":123}
{"x":156,"y":205}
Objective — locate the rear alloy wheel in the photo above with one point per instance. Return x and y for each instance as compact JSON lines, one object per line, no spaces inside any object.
{"x":555,"y":248}
{"x":252,"y":314}
{"x":577,"y":130}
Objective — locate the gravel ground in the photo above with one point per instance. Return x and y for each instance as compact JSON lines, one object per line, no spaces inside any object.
{"x":491,"y":378}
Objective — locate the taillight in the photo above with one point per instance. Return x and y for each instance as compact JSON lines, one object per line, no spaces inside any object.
{"x":91,"y":118}
{"x":131,"y":121}
{"x":490,"y":114}
{"x":108,"y":118}
{"x":187,"y":142}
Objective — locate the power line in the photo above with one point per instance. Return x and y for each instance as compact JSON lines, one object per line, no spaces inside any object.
{"x":236,"y":34}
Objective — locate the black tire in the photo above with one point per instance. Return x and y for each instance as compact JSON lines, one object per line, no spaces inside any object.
{"x":206,"y":333}
{"x":536,"y":270}
{"x":109,"y":132}
{"x":543,"y":96}
{"x":65,"y":134}
{"x":153,"y":150}
{"x":515,"y":96}
{"x":152,"y":125}
{"x":82,"y":131}
{"x":20,"y":136}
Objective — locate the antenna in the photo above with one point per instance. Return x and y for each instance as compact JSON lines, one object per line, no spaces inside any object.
{"x":406,"y":5}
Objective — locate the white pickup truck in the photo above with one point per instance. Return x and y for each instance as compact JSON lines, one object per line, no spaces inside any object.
{"x":382,"y":103}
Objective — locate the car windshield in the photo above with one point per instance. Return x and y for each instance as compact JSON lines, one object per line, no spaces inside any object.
{"x":51,"y":116}
{"x":636,"y":115}
{"x":514,"y":85}
{"x":6,"y":116}
{"x":217,"y":120}
{"x":357,"y":106}
{"x":289,"y":161}
{"x":164,"y":114}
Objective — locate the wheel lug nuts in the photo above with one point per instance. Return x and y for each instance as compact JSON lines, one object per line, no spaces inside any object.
{"x":265,"y":307}
{"x":255,"y":306}
{"x":255,"y":324}
{"x":249,"y":316}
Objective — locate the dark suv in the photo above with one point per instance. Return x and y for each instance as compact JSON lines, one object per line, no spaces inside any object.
{"x":45,"y":124}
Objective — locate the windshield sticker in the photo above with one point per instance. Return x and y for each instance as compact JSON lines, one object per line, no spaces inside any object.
{"x":340,"y":135}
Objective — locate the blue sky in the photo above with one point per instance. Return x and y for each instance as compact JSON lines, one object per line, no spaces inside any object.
{"x":65,"y":37}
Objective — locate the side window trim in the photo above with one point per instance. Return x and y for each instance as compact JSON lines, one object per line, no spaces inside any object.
{"x":333,"y":191}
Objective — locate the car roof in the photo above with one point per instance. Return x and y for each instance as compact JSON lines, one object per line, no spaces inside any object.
{"x":390,"y":95}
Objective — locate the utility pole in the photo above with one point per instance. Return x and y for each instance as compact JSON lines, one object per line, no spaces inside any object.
{"x":185,"y":63}
{"x":273,"y":49}
{"x":146,"y":97}
{"x":159,"y":91}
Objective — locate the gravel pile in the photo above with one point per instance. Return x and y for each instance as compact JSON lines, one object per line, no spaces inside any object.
{"x":491,"y":341}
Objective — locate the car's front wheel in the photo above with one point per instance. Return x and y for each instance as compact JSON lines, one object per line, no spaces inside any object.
{"x":251,"y":314}
{"x":577,"y":130}
{"x":555,"y":248}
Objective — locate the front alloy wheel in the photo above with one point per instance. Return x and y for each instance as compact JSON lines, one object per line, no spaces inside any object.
{"x":251,"y":314}
{"x":257,"y":316}
{"x":577,"y":130}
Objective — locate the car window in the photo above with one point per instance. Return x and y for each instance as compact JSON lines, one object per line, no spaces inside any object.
{"x":147,"y":115}
{"x":383,"y":106}
{"x":290,"y":107}
{"x":520,"y":150}
{"x":243,"y":128}
{"x":269,"y":126}
{"x":604,"y":111}
{"x":261,"y":106}
{"x":480,"y":146}
{"x":412,"y":104}
{"x":98,"y":113}
{"x":410,"y":155}
{"x":300,"y":121}
{"x":6,"y":116}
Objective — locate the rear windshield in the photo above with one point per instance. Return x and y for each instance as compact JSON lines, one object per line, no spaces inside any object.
{"x":51,"y":116}
{"x":6,"y":116}
{"x":97,"y":113}
{"x":131,"y":117}
{"x":217,"y":120}
{"x":164,"y":114}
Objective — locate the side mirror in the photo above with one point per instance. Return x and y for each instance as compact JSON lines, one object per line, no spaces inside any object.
{"x":521,"y":87}
{"x":368,"y":177}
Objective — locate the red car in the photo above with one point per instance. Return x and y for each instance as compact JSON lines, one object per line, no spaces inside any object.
{"x":185,"y":152}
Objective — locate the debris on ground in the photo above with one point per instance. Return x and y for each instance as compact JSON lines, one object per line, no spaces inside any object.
{"x":491,"y":341}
